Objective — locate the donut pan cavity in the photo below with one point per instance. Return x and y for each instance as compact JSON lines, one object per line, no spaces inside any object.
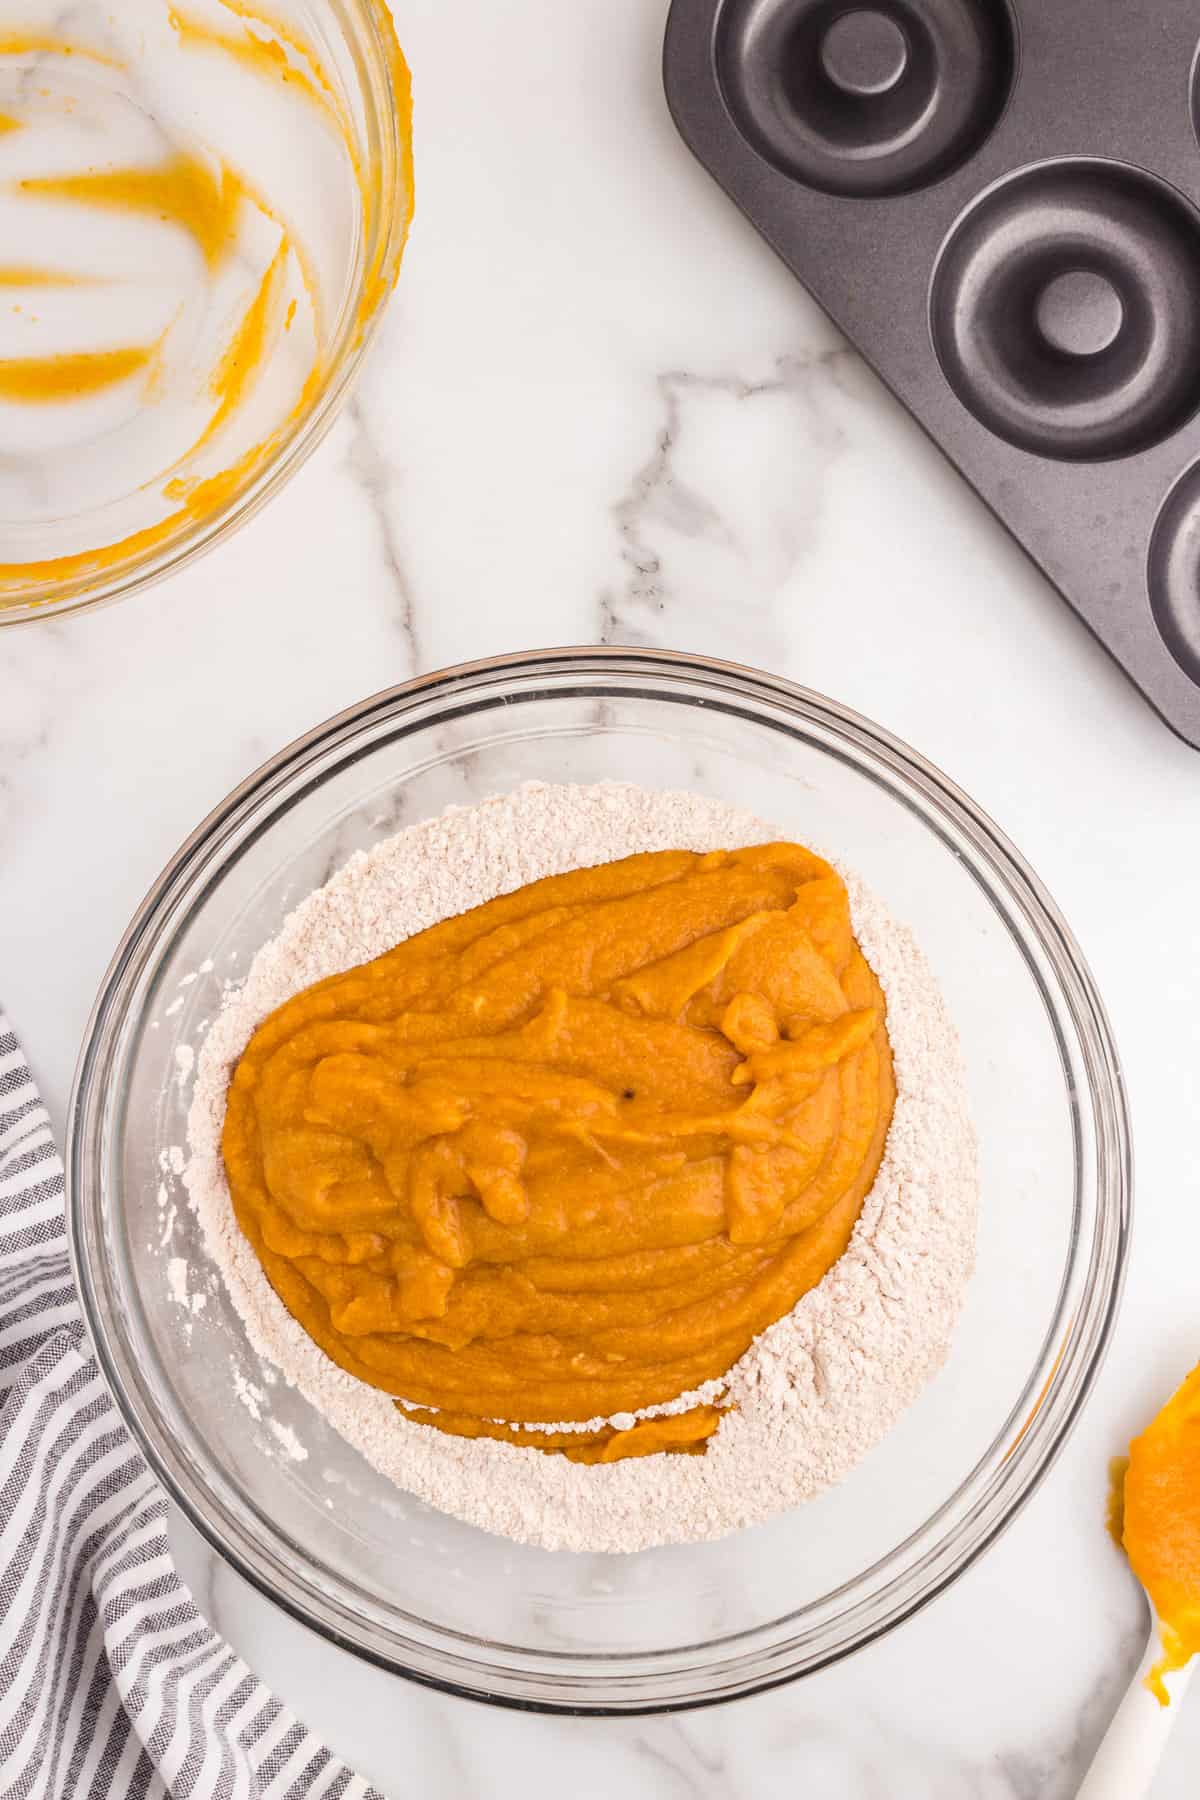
{"x":999,"y":202}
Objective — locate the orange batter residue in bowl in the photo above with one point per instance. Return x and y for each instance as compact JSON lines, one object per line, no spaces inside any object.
{"x":567,"y":1155}
{"x":1161,"y":1530}
{"x":199,"y":194}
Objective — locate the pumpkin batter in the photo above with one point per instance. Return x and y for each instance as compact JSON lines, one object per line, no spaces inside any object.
{"x":565,"y":1156}
{"x":1161,"y":1529}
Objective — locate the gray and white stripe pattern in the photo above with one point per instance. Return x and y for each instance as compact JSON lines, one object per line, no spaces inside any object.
{"x":111,"y":1683}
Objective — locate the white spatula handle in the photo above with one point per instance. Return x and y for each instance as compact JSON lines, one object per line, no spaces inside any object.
{"x":1132,"y":1747}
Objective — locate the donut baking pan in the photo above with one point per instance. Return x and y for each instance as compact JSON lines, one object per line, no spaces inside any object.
{"x":1000,"y":206}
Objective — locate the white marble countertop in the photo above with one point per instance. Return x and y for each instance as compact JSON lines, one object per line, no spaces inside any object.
{"x":602,"y":410}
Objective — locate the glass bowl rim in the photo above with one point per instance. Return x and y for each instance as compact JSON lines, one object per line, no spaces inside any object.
{"x":1046,"y":1409}
{"x":385,"y":231}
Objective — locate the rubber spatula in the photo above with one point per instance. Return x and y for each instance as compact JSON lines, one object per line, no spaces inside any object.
{"x":1159,"y":1525}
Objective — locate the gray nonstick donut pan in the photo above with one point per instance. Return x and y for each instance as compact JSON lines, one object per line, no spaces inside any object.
{"x":1000,"y":207}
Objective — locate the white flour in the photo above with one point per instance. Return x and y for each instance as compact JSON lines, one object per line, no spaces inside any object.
{"x":815,"y":1391}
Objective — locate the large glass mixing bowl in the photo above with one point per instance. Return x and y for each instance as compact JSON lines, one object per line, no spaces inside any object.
{"x":376,"y":1571}
{"x":203,"y":212}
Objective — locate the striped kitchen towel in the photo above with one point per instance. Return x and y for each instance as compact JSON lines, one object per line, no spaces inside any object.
{"x":111,"y":1683}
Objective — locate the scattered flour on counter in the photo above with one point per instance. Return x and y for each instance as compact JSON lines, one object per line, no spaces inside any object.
{"x":814,"y":1392}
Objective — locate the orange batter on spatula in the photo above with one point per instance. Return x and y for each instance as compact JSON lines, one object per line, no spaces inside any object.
{"x":1161,"y":1531}
{"x":564,"y":1157}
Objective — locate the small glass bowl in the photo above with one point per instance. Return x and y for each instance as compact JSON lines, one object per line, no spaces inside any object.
{"x":206,"y":209}
{"x":436,"y":1600}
